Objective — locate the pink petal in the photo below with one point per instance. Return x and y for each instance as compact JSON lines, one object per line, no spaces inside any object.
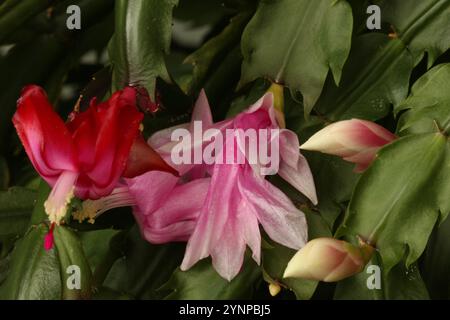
{"x":175,"y":220}
{"x":150,"y":191}
{"x":282,"y":221}
{"x":265,"y":103}
{"x":300,"y":178}
{"x":228,"y":255}
{"x":162,"y":137}
{"x":221,"y":201}
{"x":289,"y":147}
{"x":249,"y":228}
{"x":202,"y":111}
{"x":294,"y":168}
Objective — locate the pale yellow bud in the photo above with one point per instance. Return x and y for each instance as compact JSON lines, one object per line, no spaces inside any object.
{"x":328,"y":260}
{"x":274,"y":289}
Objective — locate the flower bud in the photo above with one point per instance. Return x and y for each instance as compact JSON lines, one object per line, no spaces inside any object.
{"x":328,"y":260}
{"x":354,"y":140}
{"x":274,"y":289}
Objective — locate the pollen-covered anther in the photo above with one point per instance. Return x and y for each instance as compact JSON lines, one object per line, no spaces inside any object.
{"x":91,"y":209}
{"x":60,"y":197}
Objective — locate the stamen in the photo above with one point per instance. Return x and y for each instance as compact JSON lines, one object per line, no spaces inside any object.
{"x":91,"y":209}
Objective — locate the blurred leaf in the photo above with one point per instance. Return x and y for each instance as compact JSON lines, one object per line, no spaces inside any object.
{"x":14,"y":13}
{"x":46,"y":59}
{"x":200,"y":12}
{"x":297,"y":49}
{"x":70,"y":253}
{"x":144,"y":267}
{"x":96,"y":245}
{"x":4,"y":264}
{"x":220,"y":85}
{"x":437,"y":262}
{"x":142,"y":38}
{"x":398,"y":284}
{"x":16,"y":206}
{"x":428,"y":104}
{"x":34,"y":273}
{"x":335,"y":181}
{"x":202,"y":282}
{"x":19,"y":68}
{"x":396,"y":209}
{"x":214,"y":50}
{"x":376,"y":74}
{"x":105,"y":293}
{"x":359,"y":9}
{"x":4,"y":174}
{"x":424,"y":25}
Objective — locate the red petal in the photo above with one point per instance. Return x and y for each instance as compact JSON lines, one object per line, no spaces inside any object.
{"x":44,"y":135}
{"x":117,"y":125}
{"x":143,"y":158}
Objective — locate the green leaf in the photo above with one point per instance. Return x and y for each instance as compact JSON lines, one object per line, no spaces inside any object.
{"x":14,"y":13}
{"x":335,"y":181}
{"x":296,"y":42}
{"x":275,"y":258}
{"x":144,"y":267}
{"x":202,"y":282}
{"x":96,"y":245}
{"x":4,"y":174}
{"x":19,"y":68}
{"x":424,"y":25}
{"x":213,"y":51}
{"x":34,"y":273}
{"x":376,"y":74}
{"x":16,"y":206}
{"x":141,"y":40}
{"x":396,"y":207}
{"x":220,"y":85}
{"x":38,"y":215}
{"x":428,"y":103}
{"x":200,"y":12}
{"x":399,"y":283}
{"x":70,"y":253}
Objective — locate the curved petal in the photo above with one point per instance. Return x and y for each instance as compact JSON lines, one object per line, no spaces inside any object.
{"x":228,"y":255}
{"x":221,"y":201}
{"x":282,"y":221}
{"x":118,"y":123}
{"x":143,"y":158}
{"x":47,"y":141}
{"x":300,"y":177}
{"x":150,"y":191}
{"x":202,"y":110}
{"x":175,"y":220}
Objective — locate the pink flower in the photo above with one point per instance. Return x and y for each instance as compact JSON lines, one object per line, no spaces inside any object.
{"x":87,"y":155}
{"x":354,"y":140}
{"x":218,"y":207}
{"x":328,"y":260}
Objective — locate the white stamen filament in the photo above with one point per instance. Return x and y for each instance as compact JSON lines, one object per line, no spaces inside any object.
{"x":91,"y":209}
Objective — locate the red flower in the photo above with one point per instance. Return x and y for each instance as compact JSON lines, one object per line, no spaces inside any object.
{"x":88,"y":155}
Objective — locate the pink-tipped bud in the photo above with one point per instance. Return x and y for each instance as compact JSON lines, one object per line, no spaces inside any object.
{"x":49,"y":239}
{"x":328,"y":260}
{"x":354,"y":140}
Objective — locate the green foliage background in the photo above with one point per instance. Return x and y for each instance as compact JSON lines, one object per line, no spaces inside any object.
{"x":333,"y":68}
